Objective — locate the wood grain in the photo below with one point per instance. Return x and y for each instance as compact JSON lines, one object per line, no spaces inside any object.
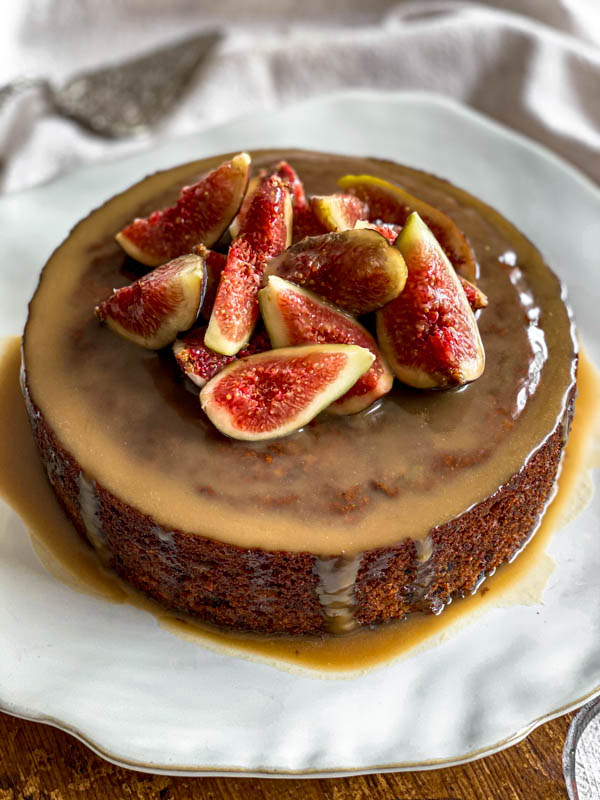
{"x":38,"y":762}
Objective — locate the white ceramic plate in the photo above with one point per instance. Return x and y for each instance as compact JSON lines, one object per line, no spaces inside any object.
{"x":141,"y":697}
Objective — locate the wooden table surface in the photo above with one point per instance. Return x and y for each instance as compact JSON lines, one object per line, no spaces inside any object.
{"x":38,"y":762}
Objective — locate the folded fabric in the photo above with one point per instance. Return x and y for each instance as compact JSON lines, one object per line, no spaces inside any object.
{"x":537,"y":71}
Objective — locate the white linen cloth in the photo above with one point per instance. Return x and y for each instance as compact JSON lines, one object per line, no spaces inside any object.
{"x":533,"y":65}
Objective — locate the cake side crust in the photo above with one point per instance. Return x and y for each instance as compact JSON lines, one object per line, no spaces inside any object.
{"x":282,"y":592}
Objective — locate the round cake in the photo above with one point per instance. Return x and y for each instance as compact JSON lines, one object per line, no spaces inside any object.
{"x":351,"y":520}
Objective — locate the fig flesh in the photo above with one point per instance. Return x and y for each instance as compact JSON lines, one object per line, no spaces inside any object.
{"x":477,"y":299}
{"x":274,"y":393}
{"x":428,"y":333}
{"x":389,"y":203}
{"x":387,"y":229}
{"x":265,"y":232}
{"x":154,"y":309}
{"x":200,"y":363}
{"x":295,"y":316}
{"x":357,"y":270}
{"x":338,"y":212}
{"x":200,"y":216}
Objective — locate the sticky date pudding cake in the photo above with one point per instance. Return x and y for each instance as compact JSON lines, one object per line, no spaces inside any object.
{"x":365,"y":445}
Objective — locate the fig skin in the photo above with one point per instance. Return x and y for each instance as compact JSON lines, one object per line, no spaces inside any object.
{"x":429,"y":334}
{"x":295,"y":316}
{"x":151,"y":311}
{"x":201,"y":215}
{"x":338,"y":212}
{"x":389,"y":203}
{"x":265,"y":232}
{"x":199,"y":363}
{"x":272,"y":394}
{"x":357,"y":270}
{"x":215,"y":264}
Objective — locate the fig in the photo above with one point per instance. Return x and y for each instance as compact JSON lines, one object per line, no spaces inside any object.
{"x":274,"y":393}
{"x":265,"y":232}
{"x":428,"y":333}
{"x":305,"y":221}
{"x":154,"y":309}
{"x":200,"y":363}
{"x":387,"y":229}
{"x":390,"y":203}
{"x":338,"y":212}
{"x":357,"y":270}
{"x":200,"y":216}
{"x":253,"y":184}
{"x":215,"y":263}
{"x":296,"y":316}
{"x":477,"y":299}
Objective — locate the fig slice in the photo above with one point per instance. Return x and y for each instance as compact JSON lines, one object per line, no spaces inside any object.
{"x":389,"y":203}
{"x":387,"y":229}
{"x":428,"y":333}
{"x":154,"y":309}
{"x":477,"y":299}
{"x":338,"y":212}
{"x":214,"y":263}
{"x":357,"y":270}
{"x":200,"y":216}
{"x":274,"y":393}
{"x":265,"y":232}
{"x":200,"y":363}
{"x":295,"y":316}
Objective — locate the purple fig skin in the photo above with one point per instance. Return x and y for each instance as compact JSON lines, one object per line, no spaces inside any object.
{"x":357,"y":270}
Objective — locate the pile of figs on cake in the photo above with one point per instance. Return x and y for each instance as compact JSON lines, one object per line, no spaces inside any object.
{"x":270,"y":328}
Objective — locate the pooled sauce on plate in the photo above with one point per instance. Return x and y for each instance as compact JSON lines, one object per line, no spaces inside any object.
{"x":24,"y":485}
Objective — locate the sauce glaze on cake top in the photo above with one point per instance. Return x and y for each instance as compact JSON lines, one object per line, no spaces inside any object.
{"x":412,"y":461}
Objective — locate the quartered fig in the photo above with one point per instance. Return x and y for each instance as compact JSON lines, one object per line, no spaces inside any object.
{"x":338,"y":212}
{"x":428,"y":333}
{"x":477,"y":299}
{"x":390,"y":203}
{"x":356,"y":270}
{"x":200,"y":363}
{"x":387,"y":229}
{"x":253,"y":184}
{"x":274,"y":393}
{"x":154,"y":309}
{"x":305,"y":222}
{"x":200,"y":216}
{"x":295,"y":316}
{"x":214,"y":263}
{"x":265,"y":232}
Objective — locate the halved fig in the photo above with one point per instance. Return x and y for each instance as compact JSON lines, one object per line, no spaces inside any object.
{"x":154,"y":309}
{"x":477,"y":299}
{"x":428,"y":333}
{"x":338,"y":212}
{"x":387,"y":229}
{"x":266,"y":231}
{"x":390,"y":203}
{"x":274,"y":393}
{"x":200,"y":363}
{"x":295,"y":316}
{"x":200,"y":216}
{"x":356,"y":270}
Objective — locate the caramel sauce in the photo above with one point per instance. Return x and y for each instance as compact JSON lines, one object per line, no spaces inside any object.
{"x":24,"y":486}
